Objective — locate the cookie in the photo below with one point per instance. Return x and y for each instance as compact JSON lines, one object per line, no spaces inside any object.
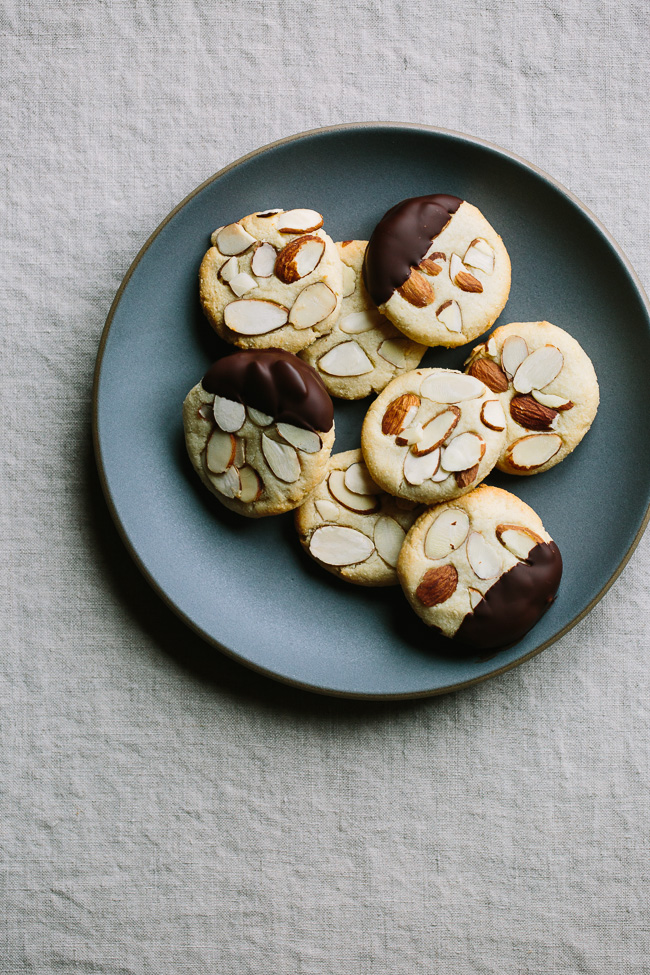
{"x":353,"y":528}
{"x":549,"y":391}
{"x":259,"y":429}
{"x":438,"y":270}
{"x":272,"y":280}
{"x":433,"y":435}
{"x":481,"y":569}
{"x":363,"y":352}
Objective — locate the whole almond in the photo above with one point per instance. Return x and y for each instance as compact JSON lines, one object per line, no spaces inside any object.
{"x":467,"y":282}
{"x":437,"y":585}
{"x":465,"y":478}
{"x":395,"y":416}
{"x":417,"y":290}
{"x":528,"y":413}
{"x":489,"y":373}
{"x":430,"y":265}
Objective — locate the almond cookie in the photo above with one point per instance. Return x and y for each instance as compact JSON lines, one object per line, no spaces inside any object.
{"x":259,"y":429}
{"x":481,"y":569}
{"x":363,"y":352}
{"x":438,"y":270}
{"x":433,"y":435}
{"x":548,"y":388}
{"x":353,"y":528}
{"x":272,"y":280}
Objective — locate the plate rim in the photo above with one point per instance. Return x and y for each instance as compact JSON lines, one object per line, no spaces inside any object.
{"x":227,"y":651}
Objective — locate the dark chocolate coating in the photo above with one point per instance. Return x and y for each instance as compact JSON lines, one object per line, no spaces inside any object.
{"x":401,"y":239}
{"x":274,"y":382}
{"x":515,"y":602}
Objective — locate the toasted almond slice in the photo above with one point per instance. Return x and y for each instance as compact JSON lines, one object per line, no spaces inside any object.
{"x":446,"y":533}
{"x":474,"y":597}
{"x":299,"y":258}
{"x":361,"y":503}
{"x":492,"y":415}
{"x":358,"y":480}
{"x":410,"y":435}
{"x":437,"y":585}
{"x":259,"y":419}
{"x":220,"y":452}
{"x":393,"y":351}
{"x":306,"y":440}
{"x":559,"y":403}
{"x":418,"y":469}
{"x":337,"y":545}
{"x":482,"y":557}
{"x":282,"y":459}
{"x":327,"y":510}
{"x":417,"y":290}
{"x":491,"y":346}
{"x":400,"y":413}
{"x":530,"y":452}
{"x":242,"y":283}
{"x":349,"y":281}
{"x":228,"y":483}
{"x":518,"y":540}
{"x":480,"y":255}
{"x":313,"y":305}
{"x":360,"y":321}
{"x":463,"y":452}
{"x":251,"y":485}
{"x":436,"y":431}
{"x":263,"y":260}
{"x":269,"y":213}
{"x":233,"y":239}
{"x":254,"y":316}
{"x":229,"y":414}
{"x":450,"y":315}
{"x":299,"y":221}
{"x":538,"y":369}
{"x":345,"y":359}
{"x":490,"y":373}
{"x":513,"y":353}
{"x":389,"y":538}
{"x":451,"y":387}
{"x":229,"y":270}
{"x":240,"y":452}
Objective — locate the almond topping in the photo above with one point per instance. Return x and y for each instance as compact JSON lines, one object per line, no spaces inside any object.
{"x":233,"y":239}
{"x":491,"y":346}
{"x":251,"y":485}
{"x":220,"y":452}
{"x":254,"y":316}
{"x":240,"y":452}
{"x":269,"y":213}
{"x":299,"y":221}
{"x":361,"y":503}
{"x":410,"y":435}
{"x":345,"y":359}
{"x":229,"y":414}
{"x":437,"y":585}
{"x":282,"y":459}
{"x":446,"y":533}
{"x":518,"y":540}
{"x":417,"y":290}
{"x":394,"y":351}
{"x":513,"y":353}
{"x":432,"y":263}
{"x":528,"y":413}
{"x":450,"y":315}
{"x":474,"y":597}
{"x":538,"y":369}
{"x":242,"y":283}
{"x":489,"y":373}
{"x":349,"y":281}
{"x":417,"y":469}
{"x":492,"y":415}
{"x":360,"y":321}
{"x":358,"y":480}
{"x":229,"y":270}
{"x":465,"y":478}
{"x":461,"y":277}
{"x":480,"y":255}
{"x":436,"y":431}
{"x":336,"y":545}
{"x":299,"y":258}
{"x":389,"y":538}
{"x":228,"y":483}
{"x":533,"y":451}
{"x":313,"y":305}
{"x":306,"y":440}
{"x":559,"y":403}
{"x":483,"y":558}
{"x":259,"y":419}
{"x":463,"y":452}
{"x":451,"y":387}
{"x":263,"y":260}
{"x":327,"y":510}
{"x":400,"y":413}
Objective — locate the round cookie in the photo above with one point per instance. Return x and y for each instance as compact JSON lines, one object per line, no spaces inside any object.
{"x":363,"y":352}
{"x":353,"y":528}
{"x":433,"y":435}
{"x":259,"y":429}
{"x":549,"y":391}
{"x":272,"y":280}
{"x":481,"y":569}
{"x":438,"y":270}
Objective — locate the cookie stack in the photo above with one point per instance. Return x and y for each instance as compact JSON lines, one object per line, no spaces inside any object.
{"x":315,"y":319}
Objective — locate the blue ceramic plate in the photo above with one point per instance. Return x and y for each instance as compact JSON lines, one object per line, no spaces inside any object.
{"x":246,"y":586}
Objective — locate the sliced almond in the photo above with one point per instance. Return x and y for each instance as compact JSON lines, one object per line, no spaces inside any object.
{"x":306,"y":440}
{"x":528,"y":413}
{"x":530,"y":452}
{"x":259,"y":419}
{"x":220,"y":452}
{"x":418,"y":469}
{"x":269,"y":213}
{"x":491,"y":346}
{"x":336,"y":545}
{"x":417,"y":290}
{"x":410,"y":435}
{"x":480,"y":255}
{"x":432,"y":262}
{"x":440,"y":476}
{"x":446,"y":533}
{"x":393,"y":351}
{"x":229,"y":270}
{"x":437,"y":585}
{"x":229,"y":414}
{"x":251,"y":485}
{"x":254,"y":316}
{"x":538,"y":369}
{"x":482,"y":557}
{"x":518,"y":540}
{"x":205,"y":411}
{"x":474,"y":597}
{"x":490,"y":373}
{"x":461,"y":277}
{"x":349,"y":281}
{"x":451,"y":387}
{"x":559,"y":403}
{"x":360,"y":321}
{"x":345,"y":359}
{"x":313,"y":305}
{"x":242,"y":283}
{"x":282,"y":459}
{"x":463,"y":452}
{"x":263,"y":260}
{"x":299,"y":221}
{"x":450,"y":315}
{"x":228,"y":483}
{"x":299,"y":258}
{"x":466,"y":477}
{"x":433,"y":253}
{"x":513,"y":353}
{"x":240,"y":452}
{"x":358,"y":480}
{"x":233,"y":239}
{"x":327,"y":510}
{"x":492,"y":415}
{"x":389,"y":538}
{"x":400,"y":413}
{"x":436,"y":430}
{"x":361,"y":503}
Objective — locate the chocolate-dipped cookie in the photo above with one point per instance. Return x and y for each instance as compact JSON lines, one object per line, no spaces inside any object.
{"x":259,"y":429}
{"x":481,"y":569}
{"x":437,"y":269}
